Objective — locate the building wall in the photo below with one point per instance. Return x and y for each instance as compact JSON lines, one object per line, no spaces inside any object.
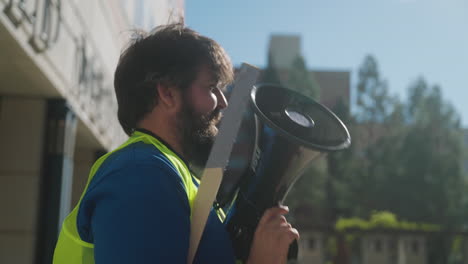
{"x":69,"y":53}
{"x":377,"y":249}
{"x":414,"y":250}
{"x":78,"y":52}
{"x":21,"y":134}
{"x":334,"y":86}
{"x":311,"y":248}
{"x":83,"y":160}
{"x":146,"y":14}
{"x":396,"y":248}
{"x":284,"y":49}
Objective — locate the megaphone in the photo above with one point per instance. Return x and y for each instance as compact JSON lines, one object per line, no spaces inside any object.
{"x":291,"y":130}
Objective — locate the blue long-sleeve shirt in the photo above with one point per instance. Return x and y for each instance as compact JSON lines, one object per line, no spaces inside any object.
{"x":136,"y":210}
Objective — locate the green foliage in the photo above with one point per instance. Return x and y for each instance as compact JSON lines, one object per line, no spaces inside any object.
{"x":351,"y":223}
{"x":406,"y":156}
{"x":301,"y":80}
{"x":270,"y":75}
{"x":382,"y":220}
{"x":373,"y":98}
{"x":331,"y":246}
{"x":309,"y":188}
{"x":406,"y":160}
{"x":457,"y":251}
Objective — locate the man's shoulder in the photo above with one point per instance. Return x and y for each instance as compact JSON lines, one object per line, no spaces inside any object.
{"x":134,"y":162}
{"x":136,"y":154}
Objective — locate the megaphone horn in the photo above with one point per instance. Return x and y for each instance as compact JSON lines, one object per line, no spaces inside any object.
{"x":291,"y":131}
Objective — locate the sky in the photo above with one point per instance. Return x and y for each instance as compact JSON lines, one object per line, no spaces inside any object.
{"x":409,"y":38}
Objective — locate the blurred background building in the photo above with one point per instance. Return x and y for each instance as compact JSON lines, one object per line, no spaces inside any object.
{"x":57,"y":108}
{"x":333,"y":85}
{"x":332,"y":88}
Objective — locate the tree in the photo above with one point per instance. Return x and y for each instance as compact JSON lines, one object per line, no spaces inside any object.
{"x":373,"y":99}
{"x":371,"y":159}
{"x":404,"y":154}
{"x":406,"y":158}
{"x":301,"y":80}
{"x":414,"y":151}
{"x":270,"y":75}
{"x":432,"y":155}
{"x":339,"y":164}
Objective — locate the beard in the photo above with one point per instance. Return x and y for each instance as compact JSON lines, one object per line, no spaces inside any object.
{"x":198,"y":133}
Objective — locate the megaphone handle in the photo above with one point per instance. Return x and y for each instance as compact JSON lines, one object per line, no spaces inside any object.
{"x":293,"y":250}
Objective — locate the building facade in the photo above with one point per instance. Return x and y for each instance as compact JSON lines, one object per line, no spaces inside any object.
{"x":57,"y":108}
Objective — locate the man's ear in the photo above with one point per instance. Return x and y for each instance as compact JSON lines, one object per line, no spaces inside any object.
{"x":169,"y":96}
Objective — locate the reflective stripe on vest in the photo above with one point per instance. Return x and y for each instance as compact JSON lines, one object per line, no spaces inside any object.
{"x":70,"y":249}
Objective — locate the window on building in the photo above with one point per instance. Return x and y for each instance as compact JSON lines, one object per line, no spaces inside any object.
{"x":392,"y":245}
{"x":378,"y":245}
{"x":311,"y":243}
{"x":415,"y":247}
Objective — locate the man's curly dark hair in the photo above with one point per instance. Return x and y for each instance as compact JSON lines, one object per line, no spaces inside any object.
{"x":171,"y":55}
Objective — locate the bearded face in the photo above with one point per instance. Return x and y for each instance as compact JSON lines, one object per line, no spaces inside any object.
{"x":198,"y":132}
{"x":198,"y":115}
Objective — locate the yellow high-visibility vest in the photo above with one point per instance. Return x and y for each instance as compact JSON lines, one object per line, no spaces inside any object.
{"x":70,"y":249}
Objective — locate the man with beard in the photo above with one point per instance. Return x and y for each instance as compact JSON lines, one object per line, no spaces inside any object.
{"x":136,"y":207}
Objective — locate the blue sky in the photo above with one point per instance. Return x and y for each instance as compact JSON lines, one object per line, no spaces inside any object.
{"x":409,"y":38}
